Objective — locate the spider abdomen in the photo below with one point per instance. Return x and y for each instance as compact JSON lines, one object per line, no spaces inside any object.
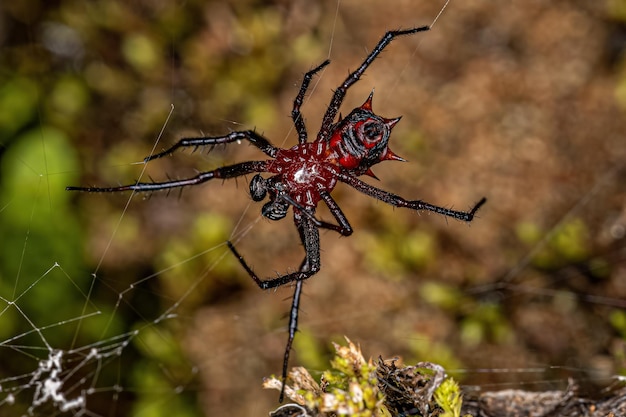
{"x":361,"y":139}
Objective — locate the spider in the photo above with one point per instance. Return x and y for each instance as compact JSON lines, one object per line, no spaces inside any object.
{"x":307,"y":173}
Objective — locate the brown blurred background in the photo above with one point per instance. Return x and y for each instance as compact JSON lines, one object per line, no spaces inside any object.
{"x":522,"y":102}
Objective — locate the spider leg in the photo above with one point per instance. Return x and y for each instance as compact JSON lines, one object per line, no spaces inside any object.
{"x":310,"y":237}
{"x":353,"y":77}
{"x":398,"y":201}
{"x":285,"y":197}
{"x":343,"y":227}
{"x":298,"y":121}
{"x":249,"y":135}
{"x":293,"y":328}
{"x":230,"y":171}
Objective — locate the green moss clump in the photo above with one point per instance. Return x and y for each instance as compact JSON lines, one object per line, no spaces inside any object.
{"x":356,"y":387}
{"x":349,"y":388}
{"x":448,"y":397}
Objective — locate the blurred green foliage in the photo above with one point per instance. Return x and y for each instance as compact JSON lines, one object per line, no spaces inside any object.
{"x":310,"y":351}
{"x":158,"y":396}
{"x":397,"y":249}
{"x":480,"y":320}
{"x":18,"y":105}
{"x":195,"y":266}
{"x":568,"y":243}
{"x":617,"y":9}
{"x":37,"y":225}
{"x":423,"y":348}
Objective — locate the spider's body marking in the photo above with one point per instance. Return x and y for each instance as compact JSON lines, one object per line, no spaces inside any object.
{"x":360,"y":140}
{"x":303,"y":165}
{"x":307,"y":173}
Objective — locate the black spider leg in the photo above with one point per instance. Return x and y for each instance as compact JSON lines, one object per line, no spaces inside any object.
{"x":230,"y":171}
{"x":250,"y":135}
{"x":353,"y":77}
{"x":310,"y":237}
{"x":298,"y":120}
{"x":398,"y":201}
{"x":343,"y":227}
{"x":293,"y":328}
{"x":281,"y":194}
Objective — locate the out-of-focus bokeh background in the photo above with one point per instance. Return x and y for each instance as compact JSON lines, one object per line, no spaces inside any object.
{"x":522,"y":102}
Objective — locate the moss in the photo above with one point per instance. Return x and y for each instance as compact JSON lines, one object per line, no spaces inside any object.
{"x":356,"y":387}
{"x":448,"y":397}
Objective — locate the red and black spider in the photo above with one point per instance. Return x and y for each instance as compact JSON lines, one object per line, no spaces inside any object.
{"x":307,"y":173}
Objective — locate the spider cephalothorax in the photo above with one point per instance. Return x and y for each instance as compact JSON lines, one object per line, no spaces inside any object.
{"x":304,"y":175}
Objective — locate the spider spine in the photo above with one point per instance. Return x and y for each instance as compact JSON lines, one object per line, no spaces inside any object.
{"x":353,"y":77}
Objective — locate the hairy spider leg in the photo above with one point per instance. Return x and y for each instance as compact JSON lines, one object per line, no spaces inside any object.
{"x":298,"y":120}
{"x":310,"y":237}
{"x":398,"y":201}
{"x":293,"y":328}
{"x":230,"y":171}
{"x":343,"y":227}
{"x":250,"y":135}
{"x":353,"y":77}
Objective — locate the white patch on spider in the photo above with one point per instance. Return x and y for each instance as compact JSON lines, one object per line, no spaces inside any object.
{"x":305,"y":174}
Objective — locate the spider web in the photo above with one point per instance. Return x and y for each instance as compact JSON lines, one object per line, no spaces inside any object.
{"x":147,"y":314}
